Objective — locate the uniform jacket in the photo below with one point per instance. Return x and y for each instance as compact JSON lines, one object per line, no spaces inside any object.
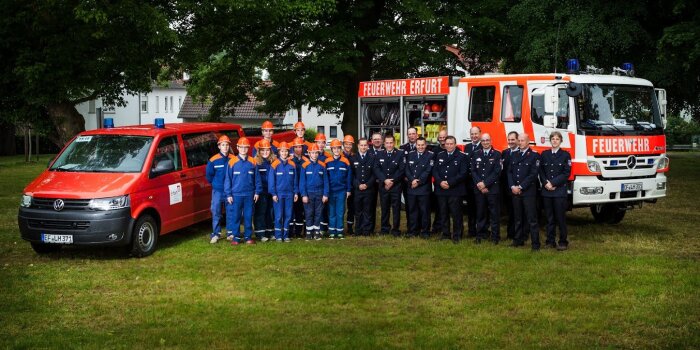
{"x":505,"y":162}
{"x":470,"y":149}
{"x":420,"y":168}
{"x":313,"y":178}
{"x":373,"y":151}
{"x":523,"y":172}
{"x":408,"y":147}
{"x":453,"y":169}
{"x":390,"y":166}
{"x":556,"y":169}
{"x":273,"y":147}
{"x":282,"y":179}
{"x":263,"y":169}
{"x":363,"y":171}
{"x":339,"y":175}
{"x":216,"y":170}
{"x":240,"y":177}
{"x":486,"y":168}
{"x":323,"y":156}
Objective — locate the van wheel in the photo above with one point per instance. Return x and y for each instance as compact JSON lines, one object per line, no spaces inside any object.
{"x":145,"y":237}
{"x":607,"y":213}
{"x":43,"y":248}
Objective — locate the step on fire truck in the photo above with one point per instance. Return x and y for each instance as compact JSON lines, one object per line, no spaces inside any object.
{"x":612,"y":124}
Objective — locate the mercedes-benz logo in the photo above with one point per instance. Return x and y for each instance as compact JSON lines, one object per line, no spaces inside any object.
{"x":58,"y":205}
{"x":631,"y":162}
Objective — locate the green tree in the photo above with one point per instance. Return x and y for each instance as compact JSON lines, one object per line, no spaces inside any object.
{"x":57,"y":54}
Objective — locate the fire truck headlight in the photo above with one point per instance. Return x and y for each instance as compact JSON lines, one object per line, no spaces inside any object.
{"x":663,"y":163}
{"x":593,"y":166}
{"x":591,"y":190}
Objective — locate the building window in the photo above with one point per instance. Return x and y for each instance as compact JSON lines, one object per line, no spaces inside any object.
{"x":157,"y":104}
{"x":179,"y":102}
{"x":144,"y":104}
{"x":321,"y":129}
{"x":333,"y":132}
{"x":481,"y":103}
{"x":91,"y":107}
{"x":171,"y":104}
{"x":165,"y":105}
{"x":511,"y":110}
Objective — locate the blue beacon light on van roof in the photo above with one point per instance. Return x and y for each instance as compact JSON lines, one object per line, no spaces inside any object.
{"x":108,"y":123}
{"x":160,"y":123}
{"x":572,"y":66}
{"x":629,"y":68}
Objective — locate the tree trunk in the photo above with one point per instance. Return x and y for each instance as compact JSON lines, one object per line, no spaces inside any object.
{"x":7,"y":139}
{"x":67,"y":121}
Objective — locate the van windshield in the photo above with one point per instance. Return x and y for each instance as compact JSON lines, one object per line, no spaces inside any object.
{"x":104,"y":153}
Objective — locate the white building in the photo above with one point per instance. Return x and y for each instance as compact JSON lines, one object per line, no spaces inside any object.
{"x":328,"y":124}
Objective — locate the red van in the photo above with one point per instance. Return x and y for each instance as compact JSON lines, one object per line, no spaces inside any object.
{"x":123,"y":186}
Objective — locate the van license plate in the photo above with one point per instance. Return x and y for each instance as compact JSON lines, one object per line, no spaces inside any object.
{"x":60,"y":239}
{"x":637,"y":186}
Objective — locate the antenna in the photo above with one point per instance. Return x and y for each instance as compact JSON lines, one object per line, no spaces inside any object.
{"x":556,"y":49}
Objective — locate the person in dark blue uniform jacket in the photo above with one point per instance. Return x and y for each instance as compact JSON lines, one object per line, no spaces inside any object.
{"x":313,"y":186}
{"x":507,"y":196}
{"x":283,"y":186}
{"x":555,"y":168}
{"x":376,"y":146}
{"x":348,"y":153}
{"x":263,"y":218}
{"x":364,"y":184}
{"x":296,"y":228}
{"x":469,"y":150}
{"x":216,"y":175}
{"x":408,"y":147}
{"x":486,"y":171}
{"x":522,"y":179}
{"x":339,"y":187}
{"x":419,"y":168}
{"x":241,"y":187}
{"x":389,"y":170}
{"x":450,"y":171}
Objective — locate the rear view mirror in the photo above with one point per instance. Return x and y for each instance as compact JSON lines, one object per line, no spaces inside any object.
{"x":551,"y":100}
{"x":162,"y":166}
{"x":573,"y":89}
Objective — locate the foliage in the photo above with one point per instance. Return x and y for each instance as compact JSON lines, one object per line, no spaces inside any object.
{"x":310,"y":135}
{"x":681,"y":132}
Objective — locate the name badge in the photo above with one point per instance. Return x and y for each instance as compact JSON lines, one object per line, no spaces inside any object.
{"x":236,"y":173}
{"x":218,"y":166}
{"x":280,"y":173}
{"x":250,"y":172}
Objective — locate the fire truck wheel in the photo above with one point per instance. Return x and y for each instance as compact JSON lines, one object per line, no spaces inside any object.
{"x":43,"y":248}
{"x":607,"y":213}
{"x":145,"y":237}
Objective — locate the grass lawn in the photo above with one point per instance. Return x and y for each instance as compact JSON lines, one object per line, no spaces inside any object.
{"x":632,"y":285}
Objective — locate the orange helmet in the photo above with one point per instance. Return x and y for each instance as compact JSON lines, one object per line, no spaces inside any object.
{"x":313,"y":148}
{"x":299,"y":125}
{"x":267,"y":125}
{"x":336,"y":143}
{"x":349,"y":138}
{"x":223,"y":138}
{"x":243,"y":141}
{"x":320,"y":137}
{"x":298,"y":141}
{"x":283,"y":145}
{"x":263,"y":144}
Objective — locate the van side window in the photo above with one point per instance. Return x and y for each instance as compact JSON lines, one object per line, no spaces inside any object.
{"x":512,"y":107}
{"x":168,"y":151}
{"x":537,"y":112}
{"x":199,"y":147}
{"x":481,"y":103}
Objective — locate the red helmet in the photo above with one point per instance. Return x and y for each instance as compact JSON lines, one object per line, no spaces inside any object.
{"x":223,"y":138}
{"x":283,"y":145}
{"x":349,"y":138}
{"x":336,"y":143}
{"x":263,"y":144}
{"x":313,"y":148}
{"x":243,"y":141}
{"x":299,"y":125}
{"x":320,"y":137}
{"x":267,"y":125}
{"x":298,"y":141}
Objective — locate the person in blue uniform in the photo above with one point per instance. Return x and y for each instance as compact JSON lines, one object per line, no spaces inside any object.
{"x":555,"y":168}
{"x":389,"y":170}
{"x":469,"y":149}
{"x":436,"y":228}
{"x":313,"y":187}
{"x":263,"y":218}
{"x":283,"y":186}
{"x":349,"y":153}
{"x":339,"y":187}
{"x":507,"y":195}
{"x":375,"y":147}
{"x":267,"y":130}
{"x":323,"y":155}
{"x":364,"y":186}
{"x":486,"y":171}
{"x":241,"y":188}
{"x":522,"y":179}
{"x":408,"y":147}
{"x":450,"y":173}
{"x":216,"y":175}
{"x":419,"y":169}
{"x":298,"y":221}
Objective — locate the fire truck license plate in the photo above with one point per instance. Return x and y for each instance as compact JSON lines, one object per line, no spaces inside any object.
{"x":60,"y":239}
{"x":637,"y":186}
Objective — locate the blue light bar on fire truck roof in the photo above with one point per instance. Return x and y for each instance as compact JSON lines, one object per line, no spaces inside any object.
{"x":160,"y":123}
{"x":572,"y":66}
{"x":108,"y":123}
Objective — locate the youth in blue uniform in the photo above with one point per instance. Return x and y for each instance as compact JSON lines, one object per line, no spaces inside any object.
{"x":450,"y":171}
{"x":323,"y":155}
{"x":216,"y":175}
{"x":263,"y":220}
{"x":282,"y":183}
{"x":486,"y":171}
{"x":241,"y":195}
{"x":267,"y":130}
{"x":419,"y":168}
{"x":364,"y":184}
{"x":522,"y":180}
{"x":390,"y":171}
{"x":313,"y":187}
{"x":348,"y":142}
{"x":296,"y":228}
{"x":339,"y":186}
{"x":555,"y":168}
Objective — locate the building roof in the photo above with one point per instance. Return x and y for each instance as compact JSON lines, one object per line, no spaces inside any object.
{"x":177,"y":84}
{"x":192,"y":110}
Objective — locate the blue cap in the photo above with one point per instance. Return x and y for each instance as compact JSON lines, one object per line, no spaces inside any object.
{"x":572,"y":66}
{"x":108,"y":123}
{"x":160,"y":123}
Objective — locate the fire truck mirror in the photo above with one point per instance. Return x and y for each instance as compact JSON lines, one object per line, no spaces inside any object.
{"x":551,"y":100}
{"x":573,"y":89}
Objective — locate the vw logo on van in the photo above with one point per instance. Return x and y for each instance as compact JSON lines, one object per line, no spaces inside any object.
{"x":631,"y":162}
{"x":58,"y":205}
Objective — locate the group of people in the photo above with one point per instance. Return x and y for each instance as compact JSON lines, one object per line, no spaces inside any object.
{"x":286,"y":190}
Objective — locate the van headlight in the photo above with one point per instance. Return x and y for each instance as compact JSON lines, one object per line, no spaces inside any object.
{"x":110,"y":203}
{"x":26,"y":201}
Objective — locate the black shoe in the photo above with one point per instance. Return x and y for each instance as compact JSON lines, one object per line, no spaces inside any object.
{"x":495,"y":242}
{"x":562,"y":247}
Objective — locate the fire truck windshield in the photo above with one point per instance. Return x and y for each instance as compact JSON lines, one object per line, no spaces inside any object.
{"x":619,"y":109}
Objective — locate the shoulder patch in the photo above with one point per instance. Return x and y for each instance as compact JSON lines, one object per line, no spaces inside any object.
{"x":306,"y":163}
{"x":215,"y":157}
{"x":252,"y":160}
{"x":291,"y":162}
{"x":275,"y":143}
{"x":233,"y":161}
{"x":275,"y":163}
{"x":344,"y":160}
